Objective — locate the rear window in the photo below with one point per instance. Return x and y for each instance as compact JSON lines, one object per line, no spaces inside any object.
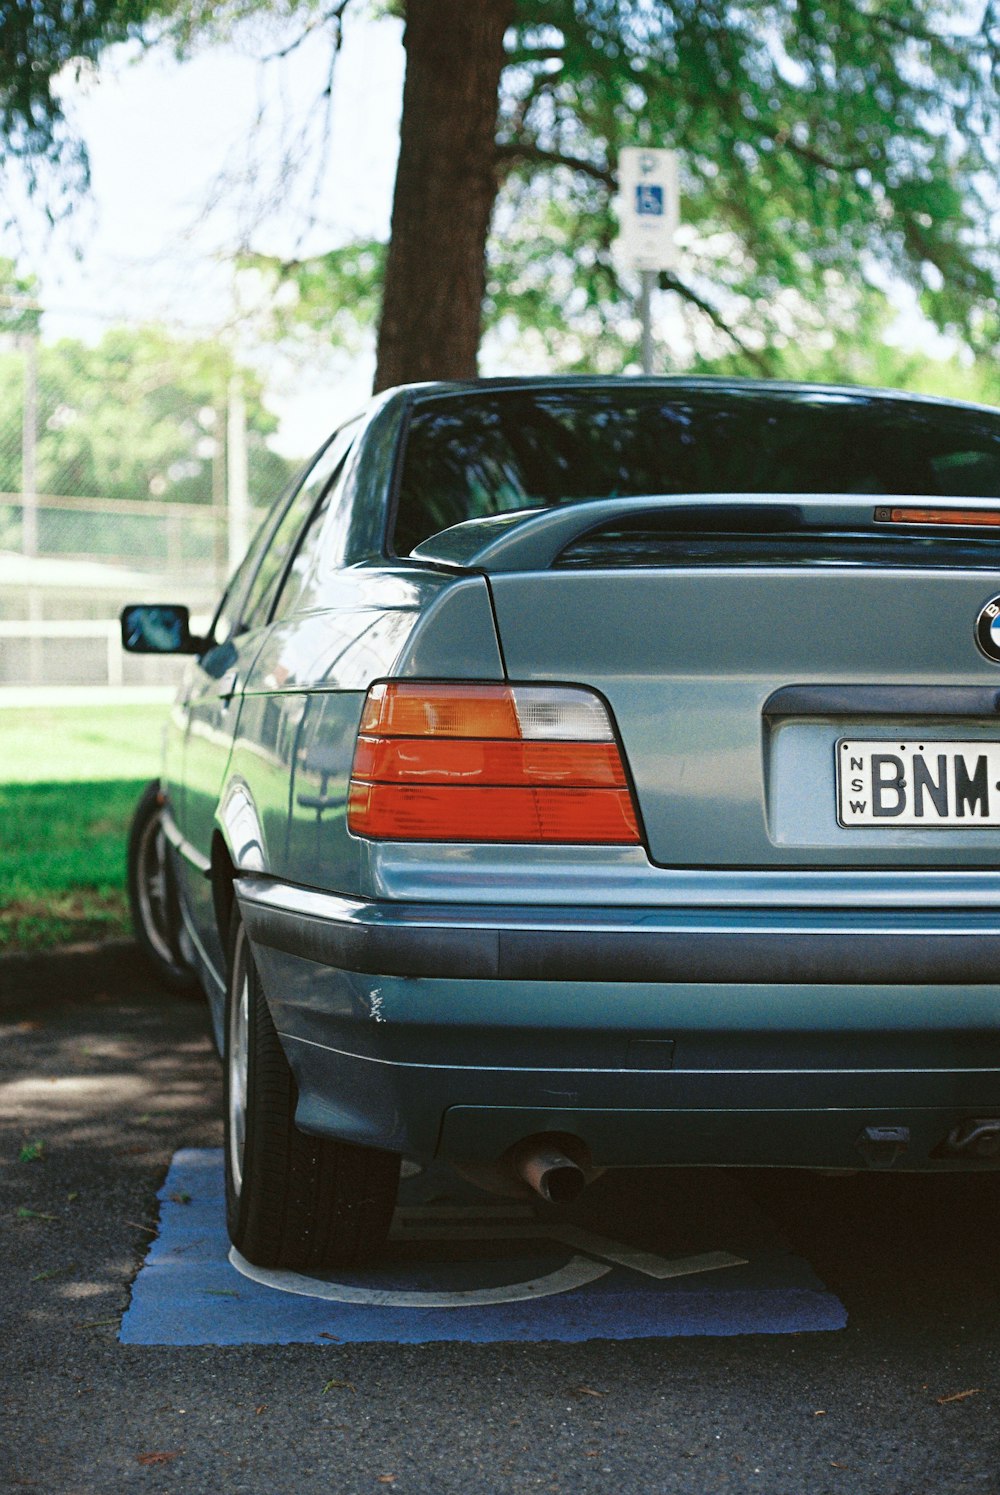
{"x":474,"y":455}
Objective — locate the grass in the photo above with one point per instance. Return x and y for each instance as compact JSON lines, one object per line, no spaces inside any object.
{"x":69,"y":781}
{"x":70,"y":744}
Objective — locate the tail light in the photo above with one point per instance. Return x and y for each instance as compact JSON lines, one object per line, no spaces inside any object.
{"x":960,"y":518}
{"x":469,"y":762}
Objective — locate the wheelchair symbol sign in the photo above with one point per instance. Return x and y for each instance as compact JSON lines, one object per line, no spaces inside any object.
{"x":649,"y":200}
{"x":594,"y":1257}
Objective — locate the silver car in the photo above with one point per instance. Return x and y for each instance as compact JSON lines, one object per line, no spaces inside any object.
{"x":583,"y":773}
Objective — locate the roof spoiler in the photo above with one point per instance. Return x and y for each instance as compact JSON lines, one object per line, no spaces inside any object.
{"x":531,"y":539}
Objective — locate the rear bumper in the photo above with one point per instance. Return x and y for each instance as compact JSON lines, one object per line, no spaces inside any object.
{"x":657,"y":1036}
{"x":461,"y":942}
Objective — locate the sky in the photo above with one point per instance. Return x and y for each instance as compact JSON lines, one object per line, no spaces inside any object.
{"x":185,"y":165}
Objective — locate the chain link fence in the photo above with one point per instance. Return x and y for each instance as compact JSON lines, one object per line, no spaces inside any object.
{"x":132,"y":468}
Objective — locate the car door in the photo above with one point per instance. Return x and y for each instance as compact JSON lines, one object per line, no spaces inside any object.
{"x":212,"y":707}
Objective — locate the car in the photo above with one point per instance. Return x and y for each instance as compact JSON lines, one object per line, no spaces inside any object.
{"x":583,"y":773}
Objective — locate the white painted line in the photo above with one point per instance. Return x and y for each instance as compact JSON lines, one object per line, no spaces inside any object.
{"x":493,"y":1223}
{"x":448,"y":1222}
{"x":576,"y":1273}
{"x":643,"y":1261}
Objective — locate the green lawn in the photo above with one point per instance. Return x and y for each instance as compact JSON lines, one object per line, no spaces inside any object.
{"x":72,"y":744}
{"x":69,"y":781}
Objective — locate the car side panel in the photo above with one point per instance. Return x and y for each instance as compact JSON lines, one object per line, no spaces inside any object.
{"x":302,"y":704}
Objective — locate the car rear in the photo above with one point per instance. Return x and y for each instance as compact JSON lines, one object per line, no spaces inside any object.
{"x":710,"y":874}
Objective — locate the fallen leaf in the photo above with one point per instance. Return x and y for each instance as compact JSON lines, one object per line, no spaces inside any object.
{"x":28,"y":1027}
{"x":182,"y":1197}
{"x":158,"y":1458}
{"x":820,"y":1413}
{"x":23,"y":1213}
{"x":260,"y":1409}
{"x":95,"y":1323}
{"x":31,"y":1152}
{"x":324,"y":1335}
{"x":835,"y":1465}
{"x":338,"y":1386}
{"x":387,"y":1479}
{"x":958,"y":1396}
{"x":138,"y":1225}
{"x":219,"y":1292}
{"x":586,"y":1391}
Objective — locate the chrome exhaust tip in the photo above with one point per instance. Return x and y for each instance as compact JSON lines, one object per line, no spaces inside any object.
{"x":548,"y":1171}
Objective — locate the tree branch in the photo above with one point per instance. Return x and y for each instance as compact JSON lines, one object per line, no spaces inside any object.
{"x":510,"y":152}
{"x":523,"y":56}
{"x":671,"y":282}
{"x":334,"y":14}
{"x":784,"y":141}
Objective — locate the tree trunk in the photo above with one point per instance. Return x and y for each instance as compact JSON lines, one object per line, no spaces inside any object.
{"x":446,"y":185}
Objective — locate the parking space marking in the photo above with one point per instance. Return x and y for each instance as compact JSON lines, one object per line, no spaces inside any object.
{"x":577,"y":1272}
{"x":491,"y":1222}
{"x":440,"y":1277}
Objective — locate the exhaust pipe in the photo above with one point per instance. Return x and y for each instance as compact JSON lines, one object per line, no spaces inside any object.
{"x":548,"y":1171}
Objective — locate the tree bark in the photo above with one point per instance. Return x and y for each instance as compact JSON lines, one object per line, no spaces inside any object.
{"x":446,"y":185}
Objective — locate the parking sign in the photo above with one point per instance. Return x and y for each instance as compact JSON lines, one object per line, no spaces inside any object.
{"x":648,"y":209}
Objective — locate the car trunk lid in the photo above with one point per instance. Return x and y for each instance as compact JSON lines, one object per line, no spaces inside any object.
{"x":702,"y":622}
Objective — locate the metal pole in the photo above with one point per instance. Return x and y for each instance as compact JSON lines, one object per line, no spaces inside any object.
{"x":236,"y":465}
{"x":648,"y":280}
{"x":220,"y":550}
{"x":29,"y":448}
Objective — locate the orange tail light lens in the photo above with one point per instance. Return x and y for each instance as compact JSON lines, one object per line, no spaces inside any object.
{"x":469,"y":762}
{"x":961,"y":518}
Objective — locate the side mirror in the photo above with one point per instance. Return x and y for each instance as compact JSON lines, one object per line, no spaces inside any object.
{"x":158,"y":628}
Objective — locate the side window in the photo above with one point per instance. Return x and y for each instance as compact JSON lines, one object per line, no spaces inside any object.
{"x":226,"y":621}
{"x":283,"y":537}
{"x":296,"y":575}
{"x":255,"y":608}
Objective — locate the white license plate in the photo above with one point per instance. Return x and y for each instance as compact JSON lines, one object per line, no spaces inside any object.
{"x":930,"y":784}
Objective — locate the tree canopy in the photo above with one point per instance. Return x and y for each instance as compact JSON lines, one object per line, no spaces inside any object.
{"x":830,"y":152}
{"x":827,"y":147}
{"x":139,"y":415}
{"x":38,"y":39}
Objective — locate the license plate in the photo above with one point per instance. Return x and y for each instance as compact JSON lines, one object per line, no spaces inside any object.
{"x":930,"y":784}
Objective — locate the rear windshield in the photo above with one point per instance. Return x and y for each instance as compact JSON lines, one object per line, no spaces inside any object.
{"x":472,"y":455}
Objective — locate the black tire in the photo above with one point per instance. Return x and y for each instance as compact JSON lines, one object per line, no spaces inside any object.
{"x":292,"y":1200}
{"x":152,"y":895}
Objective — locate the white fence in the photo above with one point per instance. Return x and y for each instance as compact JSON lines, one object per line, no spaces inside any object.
{"x":75,"y":652}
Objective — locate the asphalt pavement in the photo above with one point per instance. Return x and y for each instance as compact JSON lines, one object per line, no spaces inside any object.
{"x":105,"y":1078}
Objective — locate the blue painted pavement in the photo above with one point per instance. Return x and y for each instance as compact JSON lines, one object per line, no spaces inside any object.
{"x":189,"y":1293}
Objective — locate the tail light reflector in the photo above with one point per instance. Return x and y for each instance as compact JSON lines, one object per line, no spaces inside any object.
{"x":961,"y":518}
{"x":470,"y":762}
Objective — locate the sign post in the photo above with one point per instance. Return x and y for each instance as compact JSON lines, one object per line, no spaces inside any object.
{"x":648,"y":218}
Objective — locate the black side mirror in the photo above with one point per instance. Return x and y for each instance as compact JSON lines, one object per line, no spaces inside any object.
{"x":158,"y":628}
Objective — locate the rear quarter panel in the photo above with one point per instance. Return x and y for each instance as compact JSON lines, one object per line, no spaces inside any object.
{"x":302,"y":705}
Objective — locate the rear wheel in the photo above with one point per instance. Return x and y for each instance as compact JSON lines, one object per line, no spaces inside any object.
{"x":152,"y":896}
{"x":292,"y":1200}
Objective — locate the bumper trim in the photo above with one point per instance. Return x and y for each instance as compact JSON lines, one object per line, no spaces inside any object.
{"x":463,"y":942}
